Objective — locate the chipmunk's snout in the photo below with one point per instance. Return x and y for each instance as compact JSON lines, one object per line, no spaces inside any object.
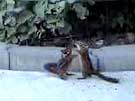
{"x":66,"y":51}
{"x":77,"y":46}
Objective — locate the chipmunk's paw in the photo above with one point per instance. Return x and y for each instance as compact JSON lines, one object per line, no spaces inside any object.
{"x":81,"y":78}
{"x":70,"y":74}
{"x":63,"y":77}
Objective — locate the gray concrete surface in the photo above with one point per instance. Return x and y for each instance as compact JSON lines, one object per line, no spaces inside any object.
{"x":4,"y":57}
{"x":38,"y":86}
{"x":44,"y":86}
{"x":114,"y":58}
{"x":34,"y":58}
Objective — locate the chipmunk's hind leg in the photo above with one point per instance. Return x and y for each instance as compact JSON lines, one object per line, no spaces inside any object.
{"x":89,"y":74}
{"x":81,"y":78}
{"x":51,"y":67}
{"x":63,"y":76}
{"x":84,"y":74}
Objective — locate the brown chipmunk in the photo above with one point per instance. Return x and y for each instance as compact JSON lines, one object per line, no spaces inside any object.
{"x":61,"y":67}
{"x":88,"y":68}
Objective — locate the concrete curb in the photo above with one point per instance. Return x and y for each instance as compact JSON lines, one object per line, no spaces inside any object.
{"x":34,"y":58}
{"x":4,"y":57}
{"x":116,"y":58}
{"x":26,"y":58}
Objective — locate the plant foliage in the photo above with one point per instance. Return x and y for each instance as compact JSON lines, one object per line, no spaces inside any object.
{"x":17,"y":17}
{"x":22,"y":20}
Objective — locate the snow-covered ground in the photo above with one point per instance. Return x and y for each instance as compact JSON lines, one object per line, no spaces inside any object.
{"x":40,"y":86}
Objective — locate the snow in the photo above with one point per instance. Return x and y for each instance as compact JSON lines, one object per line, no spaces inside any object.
{"x":44,"y":86}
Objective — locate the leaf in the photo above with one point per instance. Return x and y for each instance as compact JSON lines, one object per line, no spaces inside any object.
{"x":56,"y":8}
{"x":22,"y":29}
{"x":11,"y":31}
{"x":24,"y":16}
{"x":121,"y":21}
{"x":41,"y":7}
{"x":66,"y":29}
{"x":3,"y":4}
{"x":1,"y":19}
{"x":60,"y":24}
{"x":2,"y":35}
{"x":81,"y":11}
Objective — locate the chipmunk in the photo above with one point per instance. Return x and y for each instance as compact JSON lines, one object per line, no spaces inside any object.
{"x":88,"y":68}
{"x":61,"y":67}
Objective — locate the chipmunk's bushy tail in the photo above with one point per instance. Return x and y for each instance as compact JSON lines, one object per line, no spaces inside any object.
{"x":106,"y":78}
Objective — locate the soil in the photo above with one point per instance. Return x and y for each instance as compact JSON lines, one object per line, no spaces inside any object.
{"x":93,"y":42}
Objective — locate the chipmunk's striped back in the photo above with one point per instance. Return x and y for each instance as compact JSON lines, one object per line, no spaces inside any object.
{"x":88,"y":68}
